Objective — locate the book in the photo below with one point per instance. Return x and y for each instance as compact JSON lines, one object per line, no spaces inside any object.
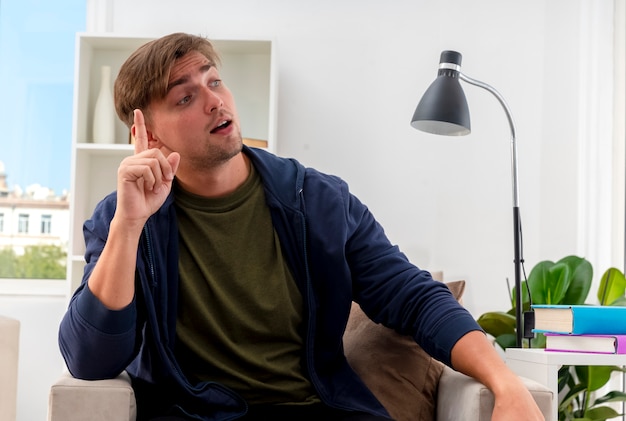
{"x":598,"y":344}
{"x":580,"y":319}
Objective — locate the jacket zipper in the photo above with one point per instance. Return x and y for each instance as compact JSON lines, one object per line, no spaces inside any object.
{"x":150,"y":254}
{"x":310,"y":343}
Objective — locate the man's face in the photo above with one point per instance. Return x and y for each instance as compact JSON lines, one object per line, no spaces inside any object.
{"x":197,"y":118}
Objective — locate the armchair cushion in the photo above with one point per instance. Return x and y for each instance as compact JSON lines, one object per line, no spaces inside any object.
{"x":398,"y":371}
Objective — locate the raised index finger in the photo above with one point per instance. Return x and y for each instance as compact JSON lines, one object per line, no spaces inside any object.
{"x":140,"y":133}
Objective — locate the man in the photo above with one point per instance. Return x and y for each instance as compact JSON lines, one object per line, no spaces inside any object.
{"x":221,"y":277}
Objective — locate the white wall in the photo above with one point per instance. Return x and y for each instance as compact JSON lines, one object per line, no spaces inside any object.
{"x":351,"y":74}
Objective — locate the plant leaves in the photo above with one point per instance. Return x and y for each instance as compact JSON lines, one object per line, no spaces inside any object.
{"x":612,"y":286}
{"x":613,"y":396}
{"x":560,"y":278}
{"x":508,"y":340}
{"x":567,"y":281}
{"x":525,"y":297}
{"x":540,"y":282}
{"x":601,"y":413}
{"x":595,"y":376}
{"x":571,"y":394}
{"x":497,"y":323}
{"x":621,"y":301}
{"x":565,"y":377}
{"x":539,"y":341}
{"x":581,"y":273}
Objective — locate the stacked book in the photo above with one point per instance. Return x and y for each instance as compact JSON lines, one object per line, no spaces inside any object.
{"x":582,"y":328}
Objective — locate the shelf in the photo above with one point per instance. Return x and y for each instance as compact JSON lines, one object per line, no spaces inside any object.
{"x":248,"y":68}
{"x":105,"y":149}
{"x":255,"y":143}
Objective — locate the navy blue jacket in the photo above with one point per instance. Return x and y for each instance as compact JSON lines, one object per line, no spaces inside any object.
{"x":337,"y":253}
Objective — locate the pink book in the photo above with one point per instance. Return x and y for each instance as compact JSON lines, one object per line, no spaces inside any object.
{"x":597,"y":344}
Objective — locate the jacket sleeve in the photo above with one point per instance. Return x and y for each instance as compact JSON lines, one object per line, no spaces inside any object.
{"x":349,"y":246}
{"x":96,"y":342}
{"x":396,"y":293}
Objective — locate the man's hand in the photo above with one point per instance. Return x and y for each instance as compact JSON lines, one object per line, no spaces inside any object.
{"x":144,"y":179}
{"x":475,"y":356}
{"x":516,"y":402}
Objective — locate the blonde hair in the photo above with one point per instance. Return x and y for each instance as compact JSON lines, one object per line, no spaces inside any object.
{"x":144,"y":76}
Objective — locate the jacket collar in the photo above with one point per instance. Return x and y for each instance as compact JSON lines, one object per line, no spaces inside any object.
{"x":283,"y":178}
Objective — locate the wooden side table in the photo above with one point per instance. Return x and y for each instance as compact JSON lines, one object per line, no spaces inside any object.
{"x":543,"y":366}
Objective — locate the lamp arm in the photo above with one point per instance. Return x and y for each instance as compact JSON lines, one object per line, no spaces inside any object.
{"x":509,"y":117}
{"x":516,"y":215}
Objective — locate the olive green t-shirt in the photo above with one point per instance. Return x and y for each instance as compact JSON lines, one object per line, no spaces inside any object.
{"x":239,"y":310}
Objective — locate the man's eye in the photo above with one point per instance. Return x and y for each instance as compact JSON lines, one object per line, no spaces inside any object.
{"x":185,"y":100}
{"x":215,"y":83}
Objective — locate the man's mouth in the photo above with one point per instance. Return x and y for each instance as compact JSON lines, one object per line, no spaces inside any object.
{"x":221,"y":126}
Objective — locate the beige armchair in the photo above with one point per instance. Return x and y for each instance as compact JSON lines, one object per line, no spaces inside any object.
{"x":408,"y":382}
{"x":9,"y":351}
{"x":459,"y":397}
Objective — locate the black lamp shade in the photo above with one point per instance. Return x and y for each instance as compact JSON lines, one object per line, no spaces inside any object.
{"x":443,"y":108}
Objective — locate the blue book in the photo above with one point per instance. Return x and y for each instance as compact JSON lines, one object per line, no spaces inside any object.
{"x":579,"y":319}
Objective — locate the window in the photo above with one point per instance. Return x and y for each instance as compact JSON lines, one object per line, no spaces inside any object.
{"x":46,"y":223}
{"x":37,"y":41}
{"x":22,"y":223}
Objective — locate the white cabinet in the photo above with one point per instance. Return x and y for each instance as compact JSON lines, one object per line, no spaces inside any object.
{"x":248,"y":69}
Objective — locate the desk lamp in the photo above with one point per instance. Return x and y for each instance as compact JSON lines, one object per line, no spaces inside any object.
{"x":443,"y":110}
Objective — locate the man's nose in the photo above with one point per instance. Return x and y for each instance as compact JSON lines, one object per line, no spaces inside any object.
{"x":213,"y":101}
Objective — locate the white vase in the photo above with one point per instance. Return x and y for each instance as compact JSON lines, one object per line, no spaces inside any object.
{"x":104,"y":112}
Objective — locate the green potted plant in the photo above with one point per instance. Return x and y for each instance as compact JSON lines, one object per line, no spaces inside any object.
{"x":568,"y":281}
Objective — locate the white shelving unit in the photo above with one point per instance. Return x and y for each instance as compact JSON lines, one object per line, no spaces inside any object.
{"x":248,"y":69}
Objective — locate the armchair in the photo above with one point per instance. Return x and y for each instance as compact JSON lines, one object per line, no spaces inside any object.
{"x":459,"y":397}
{"x":408,"y":382}
{"x":9,"y":351}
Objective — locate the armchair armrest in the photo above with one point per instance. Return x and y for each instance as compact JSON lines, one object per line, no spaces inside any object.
{"x":9,"y":356}
{"x":92,"y":400}
{"x":459,"y":394}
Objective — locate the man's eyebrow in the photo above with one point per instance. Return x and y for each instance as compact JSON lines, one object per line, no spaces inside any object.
{"x":183,"y":79}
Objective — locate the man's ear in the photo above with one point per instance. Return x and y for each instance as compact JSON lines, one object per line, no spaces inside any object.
{"x":152,"y":141}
